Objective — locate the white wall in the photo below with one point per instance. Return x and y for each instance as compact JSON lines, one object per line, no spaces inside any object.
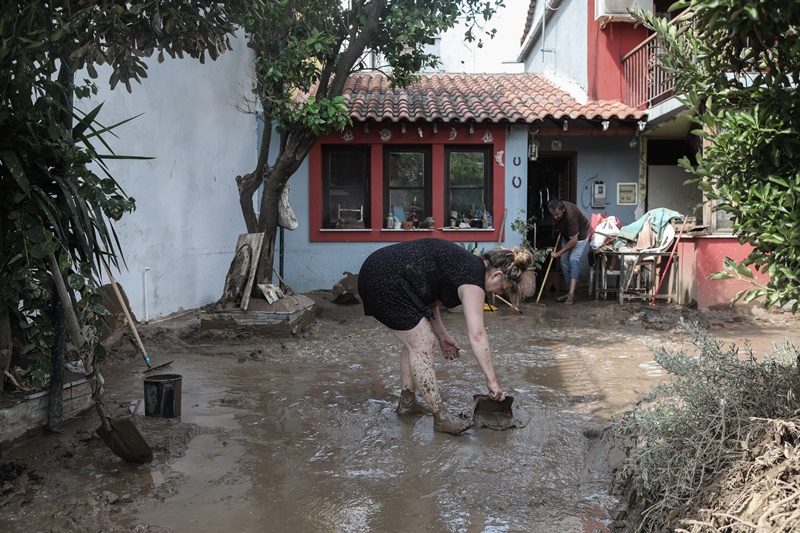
{"x":498,"y":54}
{"x":179,"y":242}
{"x":562,"y":55}
{"x":666,"y":188}
{"x":309,"y":266}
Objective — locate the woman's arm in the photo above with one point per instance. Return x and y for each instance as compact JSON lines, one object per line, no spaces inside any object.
{"x":472,"y":299}
{"x":448,"y":344}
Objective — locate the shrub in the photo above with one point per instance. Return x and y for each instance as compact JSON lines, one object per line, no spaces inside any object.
{"x":687,"y":432}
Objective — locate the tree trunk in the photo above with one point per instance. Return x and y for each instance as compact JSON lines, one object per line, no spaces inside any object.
{"x":295,"y":146}
{"x":248,"y":185}
{"x":269,"y":226}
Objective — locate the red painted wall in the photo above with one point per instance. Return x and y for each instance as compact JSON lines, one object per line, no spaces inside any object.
{"x":711,"y":252}
{"x":605,"y":48}
{"x":446,"y":134}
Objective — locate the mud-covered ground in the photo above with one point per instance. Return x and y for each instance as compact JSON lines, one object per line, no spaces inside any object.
{"x":300,"y":434}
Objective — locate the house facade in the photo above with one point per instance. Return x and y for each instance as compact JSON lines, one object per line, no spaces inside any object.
{"x":578,"y":124}
{"x":598,"y":49}
{"x":429,"y":160}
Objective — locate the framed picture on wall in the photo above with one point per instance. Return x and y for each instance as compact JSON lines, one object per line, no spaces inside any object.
{"x":626,"y":193}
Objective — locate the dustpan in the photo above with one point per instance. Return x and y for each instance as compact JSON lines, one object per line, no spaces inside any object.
{"x":492,"y":414}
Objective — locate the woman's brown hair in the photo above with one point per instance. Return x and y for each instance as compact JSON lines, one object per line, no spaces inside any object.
{"x":512,"y":262}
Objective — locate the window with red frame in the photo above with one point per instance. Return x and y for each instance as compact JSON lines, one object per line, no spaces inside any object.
{"x":468,"y":173}
{"x":345,"y":187}
{"x":407,"y":182}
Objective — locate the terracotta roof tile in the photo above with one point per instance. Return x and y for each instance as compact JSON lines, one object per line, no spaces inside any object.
{"x":494,"y":98}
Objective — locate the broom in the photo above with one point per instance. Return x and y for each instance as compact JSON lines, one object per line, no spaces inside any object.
{"x":544,"y":281}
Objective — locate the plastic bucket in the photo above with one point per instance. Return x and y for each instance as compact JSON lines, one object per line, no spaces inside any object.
{"x":162,"y":395}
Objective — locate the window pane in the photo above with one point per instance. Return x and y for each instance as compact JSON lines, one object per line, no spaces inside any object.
{"x":467,"y":168}
{"x":347,"y":170}
{"x":724,"y":220}
{"x":345,"y":186}
{"x":402,"y":202}
{"x":406,"y":169}
{"x":350,"y":201}
{"x":466,"y":201}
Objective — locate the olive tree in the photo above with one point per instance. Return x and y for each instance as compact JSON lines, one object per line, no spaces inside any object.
{"x":304,"y":52}
{"x":736,"y":65}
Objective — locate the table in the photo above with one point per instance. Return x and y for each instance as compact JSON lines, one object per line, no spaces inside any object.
{"x":616,"y":265}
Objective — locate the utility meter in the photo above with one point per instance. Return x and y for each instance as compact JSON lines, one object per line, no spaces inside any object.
{"x":598,"y":194}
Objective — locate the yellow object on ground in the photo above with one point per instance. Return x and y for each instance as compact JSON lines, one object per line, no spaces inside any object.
{"x":489,"y":307}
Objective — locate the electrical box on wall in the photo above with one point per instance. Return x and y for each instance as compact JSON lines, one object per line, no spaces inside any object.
{"x":598,"y":194}
{"x":617,"y":10}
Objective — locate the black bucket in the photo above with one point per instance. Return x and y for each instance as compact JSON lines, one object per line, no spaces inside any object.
{"x":162,"y":395}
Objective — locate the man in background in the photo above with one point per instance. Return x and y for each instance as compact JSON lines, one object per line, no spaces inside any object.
{"x":574,"y":228}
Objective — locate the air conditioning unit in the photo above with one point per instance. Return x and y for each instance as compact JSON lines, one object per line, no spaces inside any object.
{"x":617,"y":10}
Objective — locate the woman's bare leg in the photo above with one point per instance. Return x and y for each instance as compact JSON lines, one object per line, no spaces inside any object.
{"x":408,"y":398}
{"x":419,"y":344}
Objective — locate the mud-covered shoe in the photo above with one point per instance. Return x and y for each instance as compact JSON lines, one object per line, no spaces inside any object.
{"x":570,"y":300}
{"x":445,"y":422}
{"x":562,"y":298}
{"x":409,"y":405}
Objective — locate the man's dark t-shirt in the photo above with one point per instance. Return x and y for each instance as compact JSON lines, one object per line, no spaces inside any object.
{"x":573,"y":222}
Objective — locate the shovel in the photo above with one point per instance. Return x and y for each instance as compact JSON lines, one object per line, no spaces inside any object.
{"x":119,"y":434}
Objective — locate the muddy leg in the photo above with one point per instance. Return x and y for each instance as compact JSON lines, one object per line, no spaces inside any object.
{"x":421,"y":345}
{"x":408,"y":398}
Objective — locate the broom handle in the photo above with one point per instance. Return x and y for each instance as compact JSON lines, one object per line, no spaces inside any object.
{"x":544,"y":281}
{"x":127,"y":313}
{"x":669,"y":261}
{"x":285,"y":286}
{"x":502,"y":227}
{"x":512,"y":306}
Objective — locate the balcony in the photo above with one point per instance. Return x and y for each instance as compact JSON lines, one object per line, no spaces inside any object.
{"x":647,"y":82}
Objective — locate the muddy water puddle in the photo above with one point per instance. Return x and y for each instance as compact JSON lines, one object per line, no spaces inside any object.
{"x":301,"y":435}
{"x":325,"y":451}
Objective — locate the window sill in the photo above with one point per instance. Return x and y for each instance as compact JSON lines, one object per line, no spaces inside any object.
{"x":468,"y":229}
{"x":401,"y":230}
{"x":345,"y":230}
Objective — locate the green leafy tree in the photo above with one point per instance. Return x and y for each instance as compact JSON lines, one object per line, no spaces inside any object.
{"x":736,"y":65}
{"x":57,"y":198}
{"x":304,"y":52}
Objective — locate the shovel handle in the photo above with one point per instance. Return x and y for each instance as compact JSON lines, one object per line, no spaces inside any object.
{"x":125,"y":310}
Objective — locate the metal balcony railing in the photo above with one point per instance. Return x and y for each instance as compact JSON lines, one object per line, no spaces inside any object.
{"x":647,"y":83}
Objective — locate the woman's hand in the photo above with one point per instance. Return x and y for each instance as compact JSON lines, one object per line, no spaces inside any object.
{"x":449,"y":347}
{"x":495,"y":392}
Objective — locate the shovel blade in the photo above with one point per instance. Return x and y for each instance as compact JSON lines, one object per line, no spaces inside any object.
{"x":125,"y":441}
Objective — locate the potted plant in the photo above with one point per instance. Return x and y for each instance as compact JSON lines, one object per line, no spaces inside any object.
{"x":524,"y":228}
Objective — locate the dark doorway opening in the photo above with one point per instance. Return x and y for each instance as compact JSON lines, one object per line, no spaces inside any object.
{"x":550,"y":177}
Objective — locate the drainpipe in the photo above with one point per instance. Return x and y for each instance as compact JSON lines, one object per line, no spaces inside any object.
{"x":280,"y":267}
{"x":146,"y":312}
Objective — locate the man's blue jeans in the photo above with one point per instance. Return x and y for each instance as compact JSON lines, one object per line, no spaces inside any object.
{"x":571,"y":261}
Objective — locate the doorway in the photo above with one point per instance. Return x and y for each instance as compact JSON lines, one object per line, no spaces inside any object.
{"x":552,"y":176}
